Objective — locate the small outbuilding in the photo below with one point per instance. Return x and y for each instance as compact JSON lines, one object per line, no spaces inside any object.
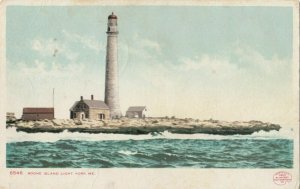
{"x":89,"y":109}
{"x":136,"y":112}
{"x":33,"y":113}
{"x":10,"y":116}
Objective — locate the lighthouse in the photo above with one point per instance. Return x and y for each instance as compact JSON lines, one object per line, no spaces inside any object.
{"x":112,"y":73}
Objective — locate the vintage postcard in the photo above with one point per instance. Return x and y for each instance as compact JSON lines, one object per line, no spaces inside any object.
{"x":149,"y":94}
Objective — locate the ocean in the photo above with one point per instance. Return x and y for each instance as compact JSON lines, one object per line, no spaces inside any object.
{"x":159,"y":150}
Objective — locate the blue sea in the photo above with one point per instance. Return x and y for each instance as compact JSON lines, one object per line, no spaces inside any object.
{"x":160,"y":150}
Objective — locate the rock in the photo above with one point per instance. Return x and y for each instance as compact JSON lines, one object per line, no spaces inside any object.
{"x":144,"y":126}
{"x":78,"y":122}
{"x":36,"y":124}
{"x":57,"y":122}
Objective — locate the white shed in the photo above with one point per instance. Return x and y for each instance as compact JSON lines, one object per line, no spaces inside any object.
{"x":136,"y":112}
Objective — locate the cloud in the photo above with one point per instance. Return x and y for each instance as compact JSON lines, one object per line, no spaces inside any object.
{"x":239,"y":66}
{"x":211,"y":65}
{"x":143,"y":43}
{"x":47,"y":47}
{"x":239,"y":61}
{"x":53,"y":48}
{"x":150,"y":44}
{"x":30,"y":84}
{"x":69,"y":46}
{"x":49,"y":70}
{"x":239,"y":83}
{"x":252,"y":59}
{"x":139,"y":47}
{"x":55,"y":63}
{"x":86,"y":41}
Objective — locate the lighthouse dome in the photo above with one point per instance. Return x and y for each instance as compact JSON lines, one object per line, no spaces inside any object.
{"x":112,"y":16}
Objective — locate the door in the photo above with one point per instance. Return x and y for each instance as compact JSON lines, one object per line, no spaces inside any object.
{"x":81,"y":115}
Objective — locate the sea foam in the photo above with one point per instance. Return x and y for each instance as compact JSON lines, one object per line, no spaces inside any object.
{"x":13,"y":136}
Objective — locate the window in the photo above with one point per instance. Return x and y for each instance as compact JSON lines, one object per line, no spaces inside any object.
{"x":101,"y":116}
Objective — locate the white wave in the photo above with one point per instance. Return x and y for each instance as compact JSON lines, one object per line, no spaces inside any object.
{"x":126,"y":152}
{"x":13,"y":136}
{"x":282,"y":134}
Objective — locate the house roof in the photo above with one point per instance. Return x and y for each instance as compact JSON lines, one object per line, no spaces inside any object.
{"x":136,"y":108}
{"x":92,"y":104}
{"x":32,"y":110}
{"x":96,"y":104}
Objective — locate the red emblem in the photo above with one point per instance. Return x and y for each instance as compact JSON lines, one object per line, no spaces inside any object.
{"x":282,"y":177}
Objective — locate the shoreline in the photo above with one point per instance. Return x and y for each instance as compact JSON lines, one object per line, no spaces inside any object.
{"x":137,"y":126}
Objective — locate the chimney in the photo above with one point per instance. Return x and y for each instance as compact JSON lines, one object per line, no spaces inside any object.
{"x":92,"y":97}
{"x":81,"y":98}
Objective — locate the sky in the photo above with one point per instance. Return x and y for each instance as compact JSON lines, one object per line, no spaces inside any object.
{"x":225,"y":63}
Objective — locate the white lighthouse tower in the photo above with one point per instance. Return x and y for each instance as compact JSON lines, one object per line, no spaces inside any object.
{"x":111,"y":75}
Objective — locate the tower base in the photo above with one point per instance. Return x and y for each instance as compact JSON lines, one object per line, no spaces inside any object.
{"x":115,"y":114}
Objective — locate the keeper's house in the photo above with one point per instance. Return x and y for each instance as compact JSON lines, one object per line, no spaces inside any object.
{"x":33,"y":113}
{"x":89,"y":109}
{"x":136,"y":112}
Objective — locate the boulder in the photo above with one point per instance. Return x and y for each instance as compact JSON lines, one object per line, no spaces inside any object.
{"x":57,"y":122}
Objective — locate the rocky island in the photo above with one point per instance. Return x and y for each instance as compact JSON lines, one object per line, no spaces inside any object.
{"x":145,"y":126}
